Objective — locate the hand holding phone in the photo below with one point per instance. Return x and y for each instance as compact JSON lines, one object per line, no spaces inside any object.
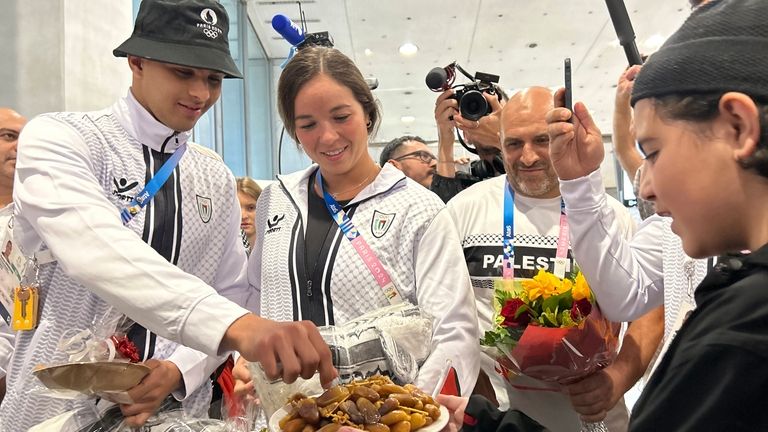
{"x":568,"y":91}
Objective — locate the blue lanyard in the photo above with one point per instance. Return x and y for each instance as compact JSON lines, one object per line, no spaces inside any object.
{"x":153,"y":186}
{"x":361,"y":246}
{"x":337,"y":211}
{"x":508,"y":237}
{"x":507,"y":242}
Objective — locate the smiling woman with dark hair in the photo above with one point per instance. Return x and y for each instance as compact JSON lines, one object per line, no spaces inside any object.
{"x":345,"y":237}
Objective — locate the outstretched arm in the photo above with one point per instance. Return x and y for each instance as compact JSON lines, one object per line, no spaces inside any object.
{"x":626,"y":276}
{"x":623,"y":132}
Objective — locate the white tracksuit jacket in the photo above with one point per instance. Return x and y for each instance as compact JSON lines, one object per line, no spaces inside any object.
{"x":74,"y":172}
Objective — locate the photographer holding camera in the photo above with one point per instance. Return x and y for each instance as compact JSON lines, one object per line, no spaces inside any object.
{"x":460,"y":107}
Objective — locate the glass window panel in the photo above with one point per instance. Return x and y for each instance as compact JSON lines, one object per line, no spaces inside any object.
{"x":233,"y":99}
{"x":259,"y":108}
{"x":204,"y":132}
{"x":292,"y":157}
{"x":136,"y":4}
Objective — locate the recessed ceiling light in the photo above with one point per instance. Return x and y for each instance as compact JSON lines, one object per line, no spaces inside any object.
{"x":368,"y":52}
{"x":614,"y":43}
{"x":407,"y":119}
{"x":408,"y":49}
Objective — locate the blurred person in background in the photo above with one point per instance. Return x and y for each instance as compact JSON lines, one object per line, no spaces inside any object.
{"x":410,"y":155}
{"x":248,"y":192}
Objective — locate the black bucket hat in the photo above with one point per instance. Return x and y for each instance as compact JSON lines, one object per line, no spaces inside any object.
{"x":184,"y":32}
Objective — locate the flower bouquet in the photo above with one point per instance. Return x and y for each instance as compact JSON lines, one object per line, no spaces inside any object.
{"x":550,"y":329}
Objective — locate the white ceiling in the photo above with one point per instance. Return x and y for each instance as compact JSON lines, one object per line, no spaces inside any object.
{"x":523,"y":41}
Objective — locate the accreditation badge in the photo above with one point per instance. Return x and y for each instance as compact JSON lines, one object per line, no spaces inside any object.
{"x":12,"y":263}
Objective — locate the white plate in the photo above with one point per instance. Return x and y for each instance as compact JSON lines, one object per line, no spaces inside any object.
{"x":437,"y":426}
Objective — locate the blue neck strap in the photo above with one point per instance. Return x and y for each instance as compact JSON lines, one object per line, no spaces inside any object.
{"x":508,"y":235}
{"x":153,"y":186}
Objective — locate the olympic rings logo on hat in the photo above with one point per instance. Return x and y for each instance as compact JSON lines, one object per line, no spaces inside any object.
{"x":209,"y":16}
{"x":211,"y":33}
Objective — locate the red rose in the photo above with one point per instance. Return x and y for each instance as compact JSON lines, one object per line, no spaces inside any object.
{"x":580,"y":309}
{"x":511,"y":316}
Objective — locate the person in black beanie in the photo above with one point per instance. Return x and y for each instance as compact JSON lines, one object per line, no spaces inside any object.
{"x":701,"y":117}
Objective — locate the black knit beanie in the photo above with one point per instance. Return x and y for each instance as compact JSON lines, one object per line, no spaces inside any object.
{"x":721,"y":47}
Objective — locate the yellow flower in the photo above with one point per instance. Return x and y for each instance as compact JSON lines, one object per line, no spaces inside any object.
{"x":580,"y":288}
{"x":543,"y":285}
{"x":566,"y":285}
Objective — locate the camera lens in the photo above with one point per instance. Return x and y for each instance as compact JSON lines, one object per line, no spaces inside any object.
{"x":473,"y":105}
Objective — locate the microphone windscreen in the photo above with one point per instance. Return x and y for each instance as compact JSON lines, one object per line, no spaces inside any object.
{"x":436,"y":78}
{"x":287,"y":29}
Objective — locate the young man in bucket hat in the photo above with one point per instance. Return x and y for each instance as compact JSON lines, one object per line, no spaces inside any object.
{"x":122,"y":214}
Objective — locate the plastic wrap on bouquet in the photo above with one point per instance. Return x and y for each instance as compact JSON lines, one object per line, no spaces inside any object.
{"x":393,"y":341}
{"x":550,"y":329}
{"x":561,"y":354}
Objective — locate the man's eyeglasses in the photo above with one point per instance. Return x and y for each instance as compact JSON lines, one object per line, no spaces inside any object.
{"x":422,"y":155}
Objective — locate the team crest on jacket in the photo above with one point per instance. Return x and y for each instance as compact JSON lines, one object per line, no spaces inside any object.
{"x":204,"y":208}
{"x":381,"y":223}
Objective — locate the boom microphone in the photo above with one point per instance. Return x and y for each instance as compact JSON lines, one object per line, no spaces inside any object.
{"x":287,"y":29}
{"x":624,"y":31}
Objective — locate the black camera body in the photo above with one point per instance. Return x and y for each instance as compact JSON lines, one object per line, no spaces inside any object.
{"x":316,"y":39}
{"x":472,"y":103}
{"x":483,"y":169}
